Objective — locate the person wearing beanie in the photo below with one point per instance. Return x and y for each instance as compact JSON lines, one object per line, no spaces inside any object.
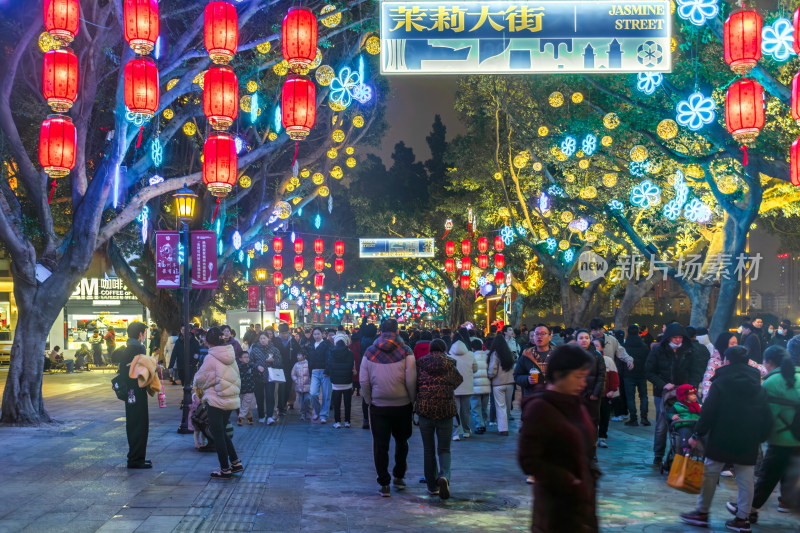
{"x":341,"y":368}
{"x":686,"y":408}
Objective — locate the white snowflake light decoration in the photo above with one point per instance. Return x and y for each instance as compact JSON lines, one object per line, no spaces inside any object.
{"x":697,"y":211}
{"x":552,"y":244}
{"x":696,"y":111}
{"x":555,"y":190}
{"x":646,"y":195}
{"x":672,"y":209}
{"x":589,"y":144}
{"x":697,"y":11}
{"x":639,"y":169}
{"x":568,"y":146}
{"x":237,"y":240}
{"x":616,"y":205}
{"x":777,"y":40}
{"x":648,"y":82}
{"x":569,"y":255}
{"x":507,"y":234}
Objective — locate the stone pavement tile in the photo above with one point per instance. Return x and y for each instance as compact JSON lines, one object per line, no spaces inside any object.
{"x":120,"y":525}
{"x":13,"y":526}
{"x":49,"y":521}
{"x":159,"y":523}
{"x":84,"y":526}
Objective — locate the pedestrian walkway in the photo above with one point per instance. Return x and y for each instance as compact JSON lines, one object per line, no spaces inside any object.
{"x":71,"y":477}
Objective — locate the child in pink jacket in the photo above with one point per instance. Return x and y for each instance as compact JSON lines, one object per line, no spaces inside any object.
{"x":302,"y":384}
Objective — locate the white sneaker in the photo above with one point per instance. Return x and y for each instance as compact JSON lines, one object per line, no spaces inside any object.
{"x":337,"y":425}
{"x":270,"y":421}
{"x":467,"y":435}
{"x":262,"y":419}
{"x":347,"y":424}
{"x":530,"y":480}
{"x":314,"y":417}
{"x":601,"y":443}
{"x":456,"y":437}
{"x":726,"y":473}
{"x":323,"y":420}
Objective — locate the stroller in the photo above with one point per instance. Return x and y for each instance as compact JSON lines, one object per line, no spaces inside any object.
{"x":679,"y":432}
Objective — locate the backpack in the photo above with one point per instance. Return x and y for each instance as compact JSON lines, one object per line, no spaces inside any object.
{"x":120,"y":387}
{"x":793,"y":425}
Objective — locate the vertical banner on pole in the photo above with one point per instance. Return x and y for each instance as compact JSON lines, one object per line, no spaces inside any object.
{"x":168,"y":275}
{"x":204,"y":260}
{"x":269,"y":298}
{"x":252,"y":297}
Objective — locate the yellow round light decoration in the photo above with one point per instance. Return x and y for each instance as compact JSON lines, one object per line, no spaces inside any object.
{"x":337,"y":136}
{"x":570,"y":178}
{"x":317,"y":178}
{"x":667,"y":129}
{"x":606,"y":140}
{"x":583,"y":163}
{"x":272,"y":136}
{"x":305,"y":173}
{"x":728,"y":184}
{"x":373,"y":45}
{"x":611,"y":121}
{"x":556,"y":99}
{"x":543,"y":131}
{"x":587,"y":193}
{"x":537,"y":166}
{"x":566,"y":217}
{"x":609,"y":180}
{"x":358,"y":121}
{"x":317,"y":60}
{"x":590,"y":236}
{"x":498,"y":175}
{"x":168,"y":113}
{"x":563,"y":245}
{"x":521,"y":159}
{"x":200,"y":79}
{"x":189,"y":128}
{"x":599,"y":228}
{"x":324,"y":191}
{"x":555,"y":150}
{"x":577,"y":98}
{"x":252,"y":86}
{"x":264,"y":48}
{"x":561,"y":156}
{"x":330,"y":21}
{"x":337,"y":172}
{"x":282,"y":209}
{"x":281,"y":69}
{"x":502,"y":212}
{"x":244,"y":103}
{"x":296,"y":200}
{"x":351,"y":162}
{"x":294,"y":181}
{"x":332,"y":153}
{"x":349,"y":150}
{"x":638,"y":153}
{"x":656,"y":166}
{"x":695,"y":171}
{"x":171,"y":83}
{"x":245,"y":181}
{"x":289,"y":187}
{"x":47,"y":43}
{"x":325,"y":75}
{"x":336,"y":106}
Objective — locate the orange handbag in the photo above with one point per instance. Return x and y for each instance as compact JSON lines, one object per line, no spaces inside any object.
{"x":686,"y":474}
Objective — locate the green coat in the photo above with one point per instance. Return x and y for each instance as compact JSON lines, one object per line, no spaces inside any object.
{"x":683,"y":412}
{"x":782,"y":415}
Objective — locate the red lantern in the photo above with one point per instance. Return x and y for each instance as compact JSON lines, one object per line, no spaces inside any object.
{"x":450,"y":265}
{"x":221,"y":31}
{"x":483,"y":245}
{"x":319,"y":264}
{"x":464,"y":281}
{"x":60,"y":79}
{"x":319,"y":246}
{"x":319,"y":281}
{"x":219,"y":164}
{"x":298,"y":246}
{"x":796,"y":42}
{"x":499,"y":261}
{"x":220,"y":97}
{"x":338,"y":248}
{"x":466,"y":263}
{"x":298,"y":263}
{"x":499,"y":244}
{"x":277,"y":263}
{"x":795,"y":163}
{"x":796,"y":98}
{"x":499,"y":278}
{"x":742,"y":39}
{"x":299,"y":107}
{"x":57,"y":141}
{"x":449,"y":247}
{"x":744,"y":111}
{"x":277,"y":278}
{"x":299,"y":38}
{"x":483,"y":261}
{"x":466,"y":247}
{"x":61,"y":19}
{"x":141,"y":86}
{"x":338,"y":265}
{"x":141,"y":25}
{"x":277,"y":245}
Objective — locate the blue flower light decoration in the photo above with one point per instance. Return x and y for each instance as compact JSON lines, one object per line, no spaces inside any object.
{"x":672,"y":209}
{"x":569,"y":255}
{"x":237,"y":240}
{"x":697,"y":11}
{"x":697,"y":211}
{"x":155,"y":179}
{"x":616,"y":205}
{"x":646,"y":195}
{"x":589,"y":144}
{"x":648,"y":82}
{"x":507,"y":234}
{"x":777,"y":40}
{"x":552,"y":244}
{"x":362,"y":93}
{"x":342,"y":86}
{"x":555,"y":190}
{"x":696,"y":111}
{"x":156,"y":152}
{"x":521,"y":231}
{"x":639,"y":169}
{"x":568,"y":146}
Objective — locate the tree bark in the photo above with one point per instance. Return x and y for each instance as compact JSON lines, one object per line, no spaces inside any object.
{"x":634,"y":292}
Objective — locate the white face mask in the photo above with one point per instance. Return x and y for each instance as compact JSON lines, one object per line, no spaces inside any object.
{"x":675,"y":346}
{"x":780,"y":331}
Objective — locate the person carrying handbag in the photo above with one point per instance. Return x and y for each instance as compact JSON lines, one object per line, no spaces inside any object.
{"x":265,"y":356}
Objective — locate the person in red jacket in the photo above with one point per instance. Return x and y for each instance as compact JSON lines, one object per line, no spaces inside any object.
{"x":423,"y":345}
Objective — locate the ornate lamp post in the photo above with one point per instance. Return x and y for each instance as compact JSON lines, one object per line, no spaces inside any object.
{"x":261,"y":278}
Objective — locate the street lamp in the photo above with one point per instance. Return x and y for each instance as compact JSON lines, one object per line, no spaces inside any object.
{"x":261,"y":278}
{"x":185,"y":200}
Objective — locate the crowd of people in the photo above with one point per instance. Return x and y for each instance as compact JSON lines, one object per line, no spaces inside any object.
{"x":457,"y":384}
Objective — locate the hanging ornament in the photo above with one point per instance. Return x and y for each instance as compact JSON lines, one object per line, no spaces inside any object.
{"x":465,"y":282}
{"x":319,"y":246}
{"x":141,"y":86}
{"x":277,"y":278}
{"x":449,"y":265}
{"x":499,"y":244}
{"x":298,"y":106}
{"x":338,"y":265}
{"x":449,"y":248}
{"x":742,"y":40}
{"x":277,"y":246}
{"x":277,"y":262}
{"x":62,"y":19}
{"x":499,"y":261}
{"x":319,"y":264}
{"x":141,"y":25}
{"x":60,"y":79}
{"x":483,"y":245}
{"x":298,"y":246}
{"x":299,"y":37}
{"x":57,"y":146}
{"x":319,"y":281}
{"x":744,"y":112}
{"x":448,"y":225}
{"x":483,"y":261}
{"x":298,"y":263}
{"x":220,"y":97}
{"x":795,"y":163}
{"x":466,"y":247}
{"x":466,"y":263}
{"x":499,"y":278}
{"x":338,"y":248}
{"x":221,"y":31}
{"x":220,"y":164}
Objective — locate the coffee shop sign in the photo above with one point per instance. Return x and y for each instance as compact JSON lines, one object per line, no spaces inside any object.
{"x":91,"y":288}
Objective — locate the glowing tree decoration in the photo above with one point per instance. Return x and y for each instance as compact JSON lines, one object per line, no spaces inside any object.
{"x":298,"y":246}
{"x":796,"y":97}
{"x":299,"y":107}
{"x":568,"y":146}
{"x":696,"y":111}
{"x":57,"y":146}
{"x":466,"y":263}
{"x":319,"y":281}
{"x":795,"y":163}
{"x":465,"y":281}
{"x":338,"y":248}
{"x":219,"y":164}
{"x":466,"y":247}
{"x":338,"y":265}
{"x":499,"y":261}
{"x":221,"y":97}
{"x":697,"y":11}
{"x":141,"y":25}
{"x":221,"y":31}
{"x":648,"y":82}
{"x":777,"y":40}
{"x":319,"y":246}
{"x":141,"y":86}
{"x":483,"y":261}
{"x":449,"y":248}
{"x":742,"y":39}
{"x":796,"y":26}
{"x":237,"y":240}
{"x":277,"y":278}
{"x":277,"y":262}
{"x":299,"y":42}
{"x":499,"y":278}
{"x":319,"y":264}
{"x":449,"y":265}
{"x":589,"y":144}
{"x":298,"y":263}
{"x":62,"y":19}
{"x":483,"y":245}
{"x":507,"y":234}
{"x":60,"y":79}
{"x":277,"y":245}
{"x":645,"y":195}
{"x":499,"y":244}
{"x":744,"y":112}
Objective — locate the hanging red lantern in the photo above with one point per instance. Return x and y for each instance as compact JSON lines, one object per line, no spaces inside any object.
{"x":299,"y":37}
{"x":483,"y":261}
{"x":794,"y":161}
{"x":277,"y":262}
{"x":61,"y":19}
{"x":220,"y":97}
{"x":298,"y":263}
{"x":220,"y":164}
{"x":277,"y":245}
{"x":744,"y":112}
{"x":499,"y":244}
{"x":60,"y":79}
{"x":141,"y":86}
{"x":796,"y":98}
{"x":221,"y":31}
{"x":277,"y":278}
{"x":298,"y":107}
{"x":466,"y":247}
{"x":338,"y":265}
{"x":499,"y":261}
{"x":57,"y":142}
{"x":796,"y":42}
{"x":319,"y":246}
{"x":483,"y":245}
{"x":141,"y":25}
{"x":449,"y":265}
{"x":319,"y":264}
{"x":466,"y":263}
{"x":465,"y":281}
{"x":742,"y":40}
{"x":319,"y":281}
{"x":338,"y":248}
{"x":499,"y":278}
{"x":298,"y":246}
{"x":449,"y":248}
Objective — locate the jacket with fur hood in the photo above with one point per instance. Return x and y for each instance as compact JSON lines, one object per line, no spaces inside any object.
{"x":480,"y":378}
{"x":466,"y":365}
{"x":301,"y":376}
{"x":388,"y":373}
{"x":219,"y":379}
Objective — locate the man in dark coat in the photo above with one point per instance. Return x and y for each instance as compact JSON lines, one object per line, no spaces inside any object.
{"x":752,"y":341}
{"x":178,"y":356}
{"x":368,"y":334}
{"x":289,"y":349}
{"x":137,"y":421}
{"x":734,"y":421}
{"x":636,"y":378}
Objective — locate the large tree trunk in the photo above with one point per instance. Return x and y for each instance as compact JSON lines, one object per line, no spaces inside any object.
{"x":461,"y":305}
{"x":735,"y":244}
{"x":634,"y":292}
{"x":580,"y":311}
{"x":517,"y":310}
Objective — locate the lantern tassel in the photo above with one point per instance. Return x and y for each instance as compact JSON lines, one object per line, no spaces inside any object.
{"x":744,"y":159}
{"x":52,"y":192}
{"x":216,"y":210}
{"x":139,"y":139}
{"x":445,"y":234}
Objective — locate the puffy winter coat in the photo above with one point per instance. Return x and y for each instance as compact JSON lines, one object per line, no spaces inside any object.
{"x":497,"y":374}
{"x":219,"y":379}
{"x":260,"y":355}
{"x":715,"y":362}
{"x":466,"y":365}
{"x":340,"y":365}
{"x":437,"y":378}
{"x":637,"y":349}
{"x":480,"y":378}
{"x":596,"y":378}
{"x":301,"y":376}
{"x":665,"y":365}
{"x":783,"y":413}
{"x":421,"y":349}
{"x":317,"y":357}
{"x":388,"y":374}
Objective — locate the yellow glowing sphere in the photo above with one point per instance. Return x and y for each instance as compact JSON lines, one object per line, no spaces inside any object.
{"x":503,"y":212}
{"x":325,"y":75}
{"x":358,"y":121}
{"x":332,"y":153}
{"x":272,"y":136}
{"x":590,"y":236}
{"x":599,"y":228}
{"x":667,"y":129}
{"x":521,"y":159}
{"x":695,"y":171}
{"x":47,"y":43}
{"x":281,"y":69}
{"x":295,"y":181}
{"x":570,"y":178}
{"x":498,"y":175}
{"x":611,"y":121}
{"x":563,"y":244}
{"x":537,"y":166}
{"x":638,"y":153}
{"x":171,"y":83}
{"x":561,"y":156}
{"x":337,"y":172}
{"x":289,"y":187}
{"x":282,"y":209}
{"x":317,"y":60}
{"x":556,"y":99}
{"x":606,"y":140}
{"x":324,"y":191}
{"x":264,"y":48}
{"x":337,"y":136}
{"x":583,"y":163}
{"x":200,"y":79}
{"x":589,"y":192}
{"x":336,"y":106}
{"x":728,"y":184}
{"x":317,"y":178}
{"x":656,"y":166}
{"x":168,"y":113}
{"x":577,"y":98}
{"x":244,"y":103}
{"x":566,"y":217}
{"x":349,"y":150}
{"x":555,"y":150}
{"x":252,"y":86}
{"x":609,"y":180}
{"x":543,"y":131}
{"x":330,"y":21}
{"x":245,"y":182}
{"x":351,"y":162}
{"x":189,"y":128}
{"x":305,"y":173}
{"x":373,"y":45}
{"x":296,"y":200}
{"x":579,"y":154}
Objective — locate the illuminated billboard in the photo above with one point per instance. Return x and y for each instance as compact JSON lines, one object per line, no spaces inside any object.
{"x":395,"y":248}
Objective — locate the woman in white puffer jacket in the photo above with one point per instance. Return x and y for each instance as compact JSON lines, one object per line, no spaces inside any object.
{"x":218,"y":378}
{"x":481,"y":388}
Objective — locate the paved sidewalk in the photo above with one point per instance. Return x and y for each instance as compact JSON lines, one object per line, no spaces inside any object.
{"x":71,"y":477}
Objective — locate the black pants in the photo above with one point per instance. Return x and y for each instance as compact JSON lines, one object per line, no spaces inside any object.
{"x":217,"y":420}
{"x":620,"y":404}
{"x":632,"y":387}
{"x":137,"y":426}
{"x":385,"y":423}
{"x":774,"y":468}
{"x":265,"y":398}
{"x":336,"y":402}
{"x":365,"y":411}
{"x":285,"y":392}
{"x":605,"y":417}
